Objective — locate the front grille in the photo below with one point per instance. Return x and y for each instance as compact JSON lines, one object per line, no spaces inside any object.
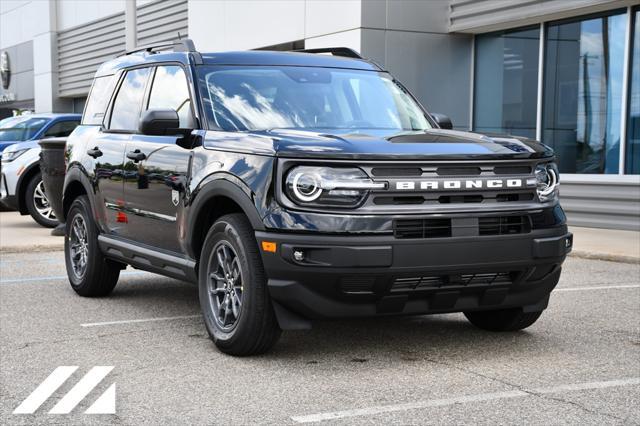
{"x":404,"y":192}
{"x":422,"y":228}
{"x":446,"y":227}
{"x":358,"y":284}
{"x":405,"y":284}
{"x":504,"y":225}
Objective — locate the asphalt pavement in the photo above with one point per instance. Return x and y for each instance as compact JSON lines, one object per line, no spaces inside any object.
{"x":580,"y":363}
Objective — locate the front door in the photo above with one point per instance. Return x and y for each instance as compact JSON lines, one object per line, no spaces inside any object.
{"x":156,"y":168}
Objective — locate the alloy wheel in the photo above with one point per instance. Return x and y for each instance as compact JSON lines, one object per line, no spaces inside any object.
{"x":225,"y":285}
{"x":41,"y":202}
{"x":79,"y":246}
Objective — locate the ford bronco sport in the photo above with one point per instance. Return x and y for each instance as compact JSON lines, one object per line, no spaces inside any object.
{"x":296,"y":186}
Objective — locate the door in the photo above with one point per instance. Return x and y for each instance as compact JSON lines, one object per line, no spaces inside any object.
{"x":158,"y":168}
{"x":108,"y":149}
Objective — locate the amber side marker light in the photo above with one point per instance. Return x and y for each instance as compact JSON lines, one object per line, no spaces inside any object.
{"x":269,"y":246}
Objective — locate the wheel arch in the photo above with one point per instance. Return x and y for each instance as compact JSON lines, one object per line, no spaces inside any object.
{"x":21,"y":186}
{"x":213,"y":200}
{"x":75,"y":184}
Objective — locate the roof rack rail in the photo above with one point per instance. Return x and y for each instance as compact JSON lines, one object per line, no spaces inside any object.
{"x":182,"y":45}
{"x":335,"y":51}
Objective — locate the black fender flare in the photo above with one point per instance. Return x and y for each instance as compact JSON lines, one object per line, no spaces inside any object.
{"x":220,"y":188}
{"x":73,"y":175}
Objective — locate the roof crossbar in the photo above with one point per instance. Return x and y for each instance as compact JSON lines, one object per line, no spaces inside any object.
{"x":335,"y":51}
{"x":182,"y":45}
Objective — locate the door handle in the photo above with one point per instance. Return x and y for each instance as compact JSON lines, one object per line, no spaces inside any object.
{"x":95,"y":152}
{"x":136,"y":155}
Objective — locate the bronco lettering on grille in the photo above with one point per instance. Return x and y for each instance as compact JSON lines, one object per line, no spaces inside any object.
{"x":436,"y":185}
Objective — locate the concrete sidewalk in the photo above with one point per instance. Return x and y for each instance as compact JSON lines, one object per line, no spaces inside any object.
{"x":22,"y":234}
{"x":606,"y":244}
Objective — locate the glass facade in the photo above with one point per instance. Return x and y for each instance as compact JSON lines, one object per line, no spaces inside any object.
{"x":583,"y":89}
{"x":633,"y":119}
{"x":584,"y":69}
{"x":506,"y":66}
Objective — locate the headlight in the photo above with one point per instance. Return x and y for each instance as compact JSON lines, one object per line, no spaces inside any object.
{"x":547,"y":181}
{"x":328,"y":186}
{"x":12,"y":155}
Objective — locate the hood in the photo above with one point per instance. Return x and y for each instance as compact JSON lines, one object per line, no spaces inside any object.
{"x":5,"y":144}
{"x":16,"y":146}
{"x":431,"y":144}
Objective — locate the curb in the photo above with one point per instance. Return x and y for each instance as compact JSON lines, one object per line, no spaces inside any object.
{"x":34,"y":248}
{"x":609,"y":257}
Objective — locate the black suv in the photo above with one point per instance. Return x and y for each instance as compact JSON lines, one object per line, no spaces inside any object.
{"x":295,"y":186}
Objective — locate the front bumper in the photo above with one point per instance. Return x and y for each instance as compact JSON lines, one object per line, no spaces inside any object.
{"x":7,"y":200}
{"x":356,"y":276}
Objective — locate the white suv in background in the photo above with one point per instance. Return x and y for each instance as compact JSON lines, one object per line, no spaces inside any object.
{"x":21,"y":185}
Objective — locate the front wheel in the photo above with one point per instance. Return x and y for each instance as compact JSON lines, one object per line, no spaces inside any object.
{"x":38,"y":204}
{"x":503,"y":320}
{"x":89,"y":272}
{"x":233,"y":289}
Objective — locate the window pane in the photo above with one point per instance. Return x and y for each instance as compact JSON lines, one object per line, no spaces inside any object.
{"x":260,"y":98}
{"x":128,"y":103}
{"x":170,"y":90}
{"x":506,"y":82}
{"x":98,"y":99}
{"x":633,"y":121}
{"x":583,"y":93}
{"x":23,"y":129}
{"x":61,"y":129}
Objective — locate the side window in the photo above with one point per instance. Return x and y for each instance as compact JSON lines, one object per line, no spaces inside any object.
{"x":61,"y":129}
{"x":171,"y":90}
{"x":98,"y":100}
{"x":128,"y":103}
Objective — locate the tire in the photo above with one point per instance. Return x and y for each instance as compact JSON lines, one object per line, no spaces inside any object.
{"x":239,"y":317}
{"x":99,"y":275}
{"x":503,"y":320}
{"x":37,"y":204}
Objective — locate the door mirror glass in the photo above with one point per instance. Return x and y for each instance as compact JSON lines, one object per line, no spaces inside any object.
{"x":159,"y":122}
{"x":444,"y":122}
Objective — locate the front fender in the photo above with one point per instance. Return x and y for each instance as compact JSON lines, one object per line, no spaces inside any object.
{"x":76,"y":174}
{"x":220,"y":185}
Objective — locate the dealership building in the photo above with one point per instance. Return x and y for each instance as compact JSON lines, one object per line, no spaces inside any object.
{"x":566,"y":72}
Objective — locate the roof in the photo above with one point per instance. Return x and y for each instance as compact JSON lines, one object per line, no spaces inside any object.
{"x":265,"y":57}
{"x":251,"y":57}
{"x":52,"y":115}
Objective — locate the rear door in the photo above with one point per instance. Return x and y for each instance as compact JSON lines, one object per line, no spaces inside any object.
{"x":108,"y":148}
{"x":157,"y":168}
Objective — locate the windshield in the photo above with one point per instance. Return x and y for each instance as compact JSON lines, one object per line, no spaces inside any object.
{"x":262,"y":98}
{"x":21,"y":129}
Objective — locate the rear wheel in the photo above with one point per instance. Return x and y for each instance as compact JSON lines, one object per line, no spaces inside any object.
{"x":233,"y":289}
{"x":38,"y":204}
{"x":89,"y":272}
{"x":503,"y":320}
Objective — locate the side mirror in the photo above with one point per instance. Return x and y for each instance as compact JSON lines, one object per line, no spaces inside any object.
{"x":159,"y":122}
{"x":443,"y":121}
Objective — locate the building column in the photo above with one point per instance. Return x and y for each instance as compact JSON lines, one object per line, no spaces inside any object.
{"x":130,"y":25}
{"x":45,"y":63}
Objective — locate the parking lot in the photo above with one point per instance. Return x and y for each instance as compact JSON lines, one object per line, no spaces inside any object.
{"x":580,"y":363}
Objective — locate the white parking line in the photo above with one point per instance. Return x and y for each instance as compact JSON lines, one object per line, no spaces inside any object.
{"x":318,"y":417}
{"x":597,"y":287}
{"x":97,"y":324}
